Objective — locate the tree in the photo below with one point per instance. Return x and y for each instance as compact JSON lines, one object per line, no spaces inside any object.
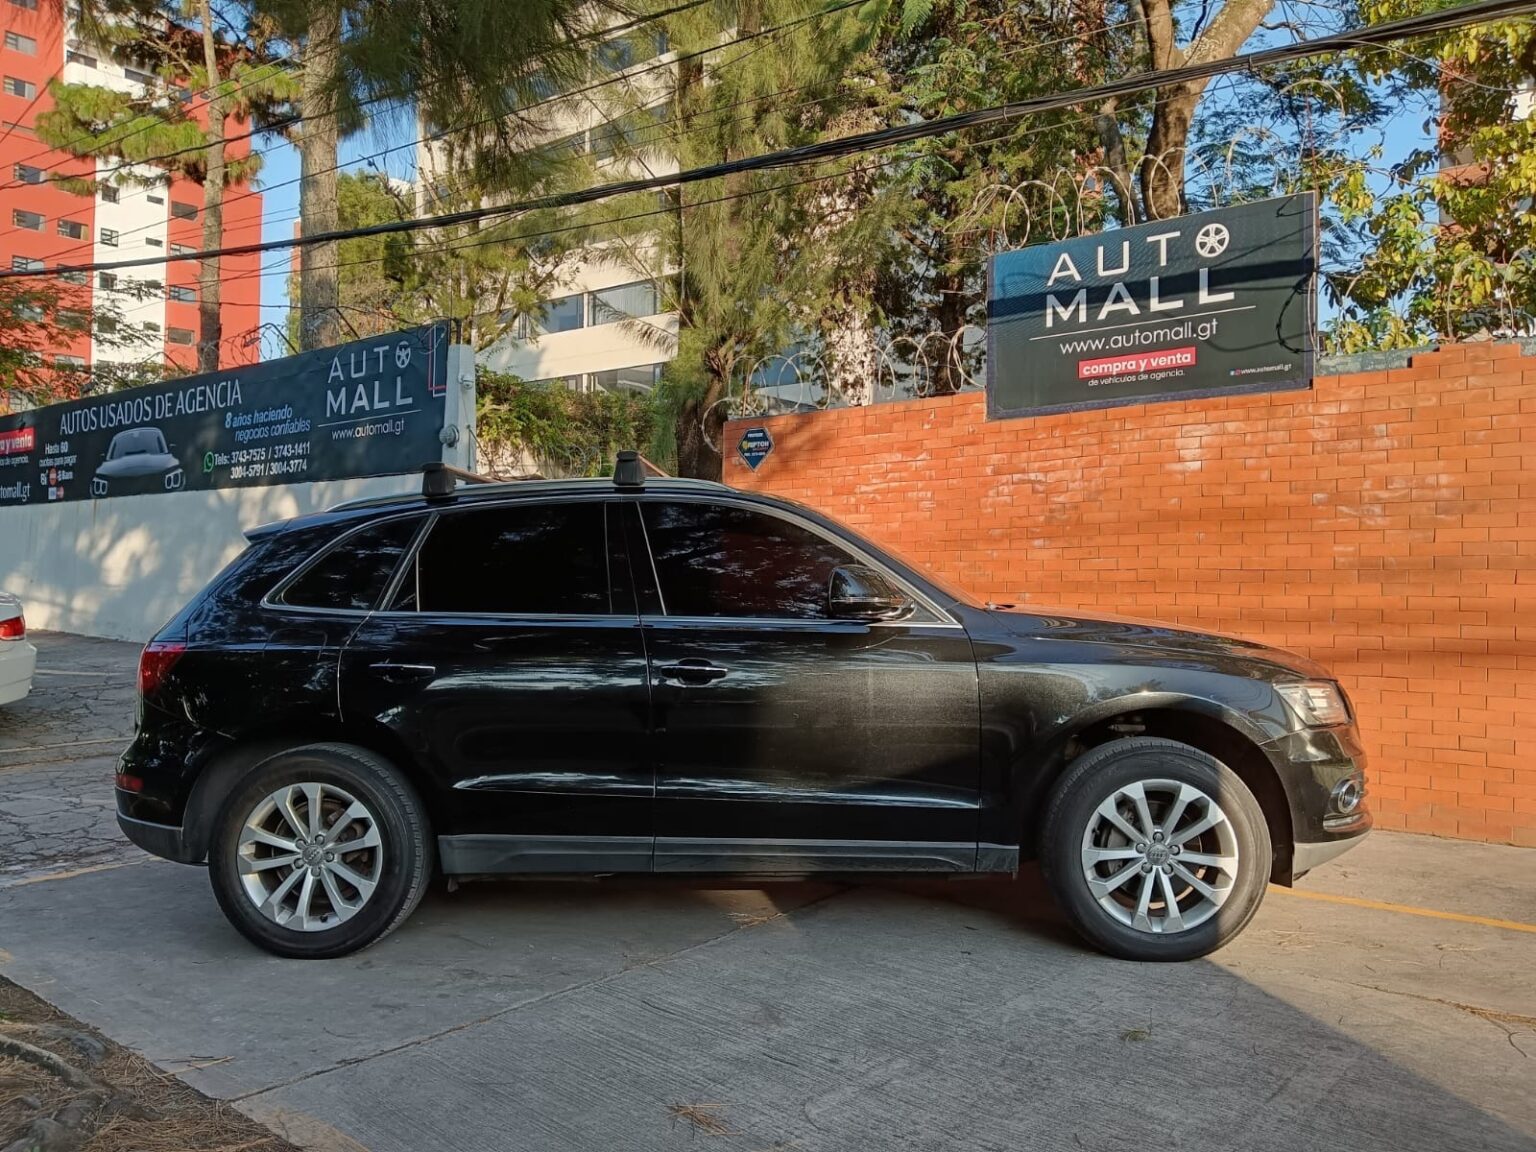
{"x":41,"y":315}
{"x":463,"y":66}
{"x":1448,"y":244}
{"x":233,"y":79}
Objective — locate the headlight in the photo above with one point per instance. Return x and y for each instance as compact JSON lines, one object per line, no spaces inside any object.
{"x":1317,"y":703}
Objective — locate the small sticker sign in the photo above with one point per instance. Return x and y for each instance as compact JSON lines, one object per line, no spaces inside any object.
{"x":754,"y":447}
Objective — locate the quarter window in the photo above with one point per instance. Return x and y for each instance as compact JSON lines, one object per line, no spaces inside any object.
{"x":351,"y":576}
{"x":520,"y":559}
{"x":718,"y":560}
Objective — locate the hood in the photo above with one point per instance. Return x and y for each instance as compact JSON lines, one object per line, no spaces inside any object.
{"x":141,"y":464}
{"x":1151,"y":640}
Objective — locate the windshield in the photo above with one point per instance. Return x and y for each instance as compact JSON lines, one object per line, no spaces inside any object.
{"x":137,"y":442}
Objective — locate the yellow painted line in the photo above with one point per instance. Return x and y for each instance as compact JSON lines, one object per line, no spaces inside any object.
{"x":1406,"y":909}
{"x":69,"y":874}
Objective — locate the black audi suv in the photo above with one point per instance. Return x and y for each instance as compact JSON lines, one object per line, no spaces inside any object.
{"x":670,"y":676}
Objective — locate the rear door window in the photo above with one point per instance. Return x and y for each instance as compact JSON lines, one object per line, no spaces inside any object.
{"x":515,"y":559}
{"x":352,"y":575}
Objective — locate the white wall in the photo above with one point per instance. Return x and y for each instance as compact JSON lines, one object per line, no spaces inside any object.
{"x":121,"y":567}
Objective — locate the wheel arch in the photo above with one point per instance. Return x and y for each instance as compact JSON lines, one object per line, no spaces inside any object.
{"x":229,"y":763}
{"x":1205,"y":725}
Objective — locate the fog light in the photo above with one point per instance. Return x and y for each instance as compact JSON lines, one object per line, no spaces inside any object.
{"x":1347,"y":795}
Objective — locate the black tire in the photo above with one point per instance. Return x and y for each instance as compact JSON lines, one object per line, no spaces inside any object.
{"x":1094,"y":778}
{"x":404,"y":871}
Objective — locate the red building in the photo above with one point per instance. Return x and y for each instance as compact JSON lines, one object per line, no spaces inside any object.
{"x":155,"y":308}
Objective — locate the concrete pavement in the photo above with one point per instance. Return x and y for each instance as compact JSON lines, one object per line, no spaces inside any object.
{"x":942,"y":1016}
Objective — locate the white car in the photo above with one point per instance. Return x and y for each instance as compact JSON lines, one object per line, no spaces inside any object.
{"x":17,"y":657}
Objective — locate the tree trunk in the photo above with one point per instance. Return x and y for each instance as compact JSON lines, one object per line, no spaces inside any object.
{"x":210,"y":320}
{"x":319,"y":287}
{"x":1162,"y":166}
{"x":700,"y":424}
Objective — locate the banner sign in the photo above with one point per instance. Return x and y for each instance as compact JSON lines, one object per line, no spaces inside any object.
{"x":1215,"y":302}
{"x":370,"y":408}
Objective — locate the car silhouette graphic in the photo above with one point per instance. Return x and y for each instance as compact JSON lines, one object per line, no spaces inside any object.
{"x":138,"y":462}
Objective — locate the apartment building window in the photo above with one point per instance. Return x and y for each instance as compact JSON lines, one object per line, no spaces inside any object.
{"x":631,"y":131}
{"x":16,"y":42}
{"x":623,"y":301}
{"x":69,"y":363}
{"x":639,"y":379}
{"x":107,"y":281}
{"x":149,"y":290}
{"x":26,"y":264}
{"x":153,"y":199}
{"x":26,"y":5}
{"x":73,"y":57}
{"x":565,"y":314}
{"x":31,"y":221}
{"x":72,"y":318}
{"x":151,"y":327}
{"x":74,"y":276}
{"x":29,"y":312}
{"x":109,"y":193}
{"x":106,"y":324}
{"x":625,"y":52}
{"x":182,"y":249}
{"x":18,"y":87}
{"x":180,"y":335}
{"x":73,"y":229}
{"x":182,"y":294}
{"x":183,"y":211}
{"x":138,"y":77}
{"x":154,"y":242}
{"x":26,"y":174}
{"x":109,"y":237}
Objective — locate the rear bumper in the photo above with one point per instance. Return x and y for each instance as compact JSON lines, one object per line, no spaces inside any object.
{"x":18,"y":661}
{"x":163,"y":840}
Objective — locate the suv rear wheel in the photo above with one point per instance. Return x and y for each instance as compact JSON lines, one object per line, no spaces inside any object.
{"x":1155,"y":850}
{"x":320,"y":851}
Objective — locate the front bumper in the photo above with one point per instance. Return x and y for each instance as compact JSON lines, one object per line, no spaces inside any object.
{"x":1320,"y":768}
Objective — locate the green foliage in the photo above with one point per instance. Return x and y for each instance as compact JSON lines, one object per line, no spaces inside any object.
{"x":1448,"y":245}
{"x":576,"y":433}
{"x":42,"y":317}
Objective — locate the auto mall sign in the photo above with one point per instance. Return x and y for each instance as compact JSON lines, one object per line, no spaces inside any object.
{"x":1215,"y":302}
{"x":369,"y":408}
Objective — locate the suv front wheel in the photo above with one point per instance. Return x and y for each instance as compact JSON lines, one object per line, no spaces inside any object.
{"x":320,"y":851}
{"x":1155,"y":850}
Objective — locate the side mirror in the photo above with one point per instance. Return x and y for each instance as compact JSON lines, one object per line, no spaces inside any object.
{"x":856,"y":592}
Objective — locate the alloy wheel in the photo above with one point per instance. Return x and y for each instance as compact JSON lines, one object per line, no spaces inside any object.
{"x":1160,"y":856}
{"x":310,"y":856}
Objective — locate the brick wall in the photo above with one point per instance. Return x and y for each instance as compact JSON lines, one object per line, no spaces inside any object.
{"x":1383,"y":523}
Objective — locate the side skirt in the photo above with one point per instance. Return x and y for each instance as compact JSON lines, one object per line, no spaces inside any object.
{"x":587,"y":855}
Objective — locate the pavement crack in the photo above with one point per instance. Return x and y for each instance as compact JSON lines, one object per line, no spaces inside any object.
{"x":1501,"y":1020}
{"x":531,"y":1002}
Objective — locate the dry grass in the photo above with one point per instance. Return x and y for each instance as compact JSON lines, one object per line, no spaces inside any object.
{"x":149,"y":1110}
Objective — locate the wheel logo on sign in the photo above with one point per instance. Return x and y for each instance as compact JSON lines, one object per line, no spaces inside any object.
{"x":1212,"y":240}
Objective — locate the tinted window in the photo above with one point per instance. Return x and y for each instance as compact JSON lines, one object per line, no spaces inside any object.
{"x":527,"y":558}
{"x":352,"y":575}
{"x":715,"y":560}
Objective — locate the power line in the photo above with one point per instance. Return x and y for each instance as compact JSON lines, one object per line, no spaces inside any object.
{"x":1475,"y":13}
{"x":600,"y":35}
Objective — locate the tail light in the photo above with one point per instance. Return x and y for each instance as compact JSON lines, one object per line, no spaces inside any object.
{"x":157,"y":659}
{"x":14,"y":628}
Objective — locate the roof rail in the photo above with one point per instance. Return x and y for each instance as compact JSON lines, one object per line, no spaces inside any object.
{"x":439,"y":481}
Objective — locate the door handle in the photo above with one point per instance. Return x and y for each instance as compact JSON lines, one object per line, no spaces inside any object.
{"x":403,"y":672}
{"x":692,"y":672}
